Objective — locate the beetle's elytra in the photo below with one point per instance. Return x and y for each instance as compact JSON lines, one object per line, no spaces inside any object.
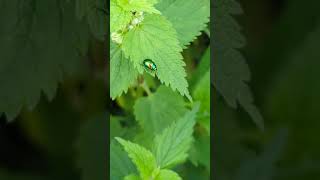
{"x":150,"y":65}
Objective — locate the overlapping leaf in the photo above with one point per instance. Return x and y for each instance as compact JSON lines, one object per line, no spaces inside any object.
{"x":119,"y":18}
{"x":159,"y":110}
{"x":167,"y":174}
{"x":172,"y":145}
{"x":37,"y":47}
{"x":122,"y":72}
{"x":121,"y":11}
{"x":231,"y":72}
{"x":188,"y":17}
{"x":156,"y":39}
{"x":121,"y":164}
{"x":141,"y":157}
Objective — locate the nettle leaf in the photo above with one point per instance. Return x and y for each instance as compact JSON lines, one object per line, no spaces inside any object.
{"x":166,"y":174}
{"x":141,"y":157}
{"x":37,"y":48}
{"x":132,"y":177}
{"x":156,"y":39}
{"x":157,"y":111}
{"x":231,"y":72}
{"x":188,"y":17}
{"x":138,"y":5}
{"x":121,"y":165}
{"x":119,"y":18}
{"x":122,"y":72}
{"x":172,"y":145}
{"x":91,"y":146}
{"x":121,"y":11}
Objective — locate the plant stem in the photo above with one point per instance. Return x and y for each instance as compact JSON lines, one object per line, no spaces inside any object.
{"x":146,"y":88}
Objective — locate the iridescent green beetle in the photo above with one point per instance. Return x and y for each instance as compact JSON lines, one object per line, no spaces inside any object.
{"x":149,"y":65}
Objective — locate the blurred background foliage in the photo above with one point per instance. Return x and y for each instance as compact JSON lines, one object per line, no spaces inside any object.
{"x":53,"y":88}
{"x":283,"y":55}
{"x":282,"y":51}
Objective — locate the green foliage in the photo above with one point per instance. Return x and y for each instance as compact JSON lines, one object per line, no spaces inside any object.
{"x":157,"y":41}
{"x":172,"y":145}
{"x":170,"y":148}
{"x":153,"y":114}
{"x":121,"y":164}
{"x":157,"y":35}
{"x":189,"y":18}
{"x":41,"y":42}
{"x":141,"y":157}
{"x":122,"y":73}
{"x":163,"y":129}
{"x":231,"y":72}
{"x":167,"y":174}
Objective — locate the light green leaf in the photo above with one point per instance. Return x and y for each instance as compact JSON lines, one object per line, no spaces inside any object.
{"x":121,"y":165}
{"x":122,"y":72}
{"x":155,"y":39}
{"x":119,"y":18}
{"x":132,"y":177}
{"x":91,"y":145}
{"x":37,"y":48}
{"x":138,"y":5}
{"x":141,"y":157}
{"x":166,"y":174}
{"x":231,"y":72}
{"x":188,"y":17}
{"x":157,"y":111}
{"x":172,"y":145}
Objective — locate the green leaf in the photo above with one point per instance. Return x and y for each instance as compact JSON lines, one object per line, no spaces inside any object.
{"x":188,"y":17}
{"x":166,"y":174}
{"x":132,"y":177}
{"x":141,"y":157}
{"x":157,"y":111}
{"x":138,"y":5}
{"x":231,"y":72}
{"x":92,"y":145}
{"x":37,"y":48}
{"x":121,"y":165}
{"x":122,"y":73}
{"x":172,"y":145}
{"x":119,"y":18}
{"x":155,"y":39}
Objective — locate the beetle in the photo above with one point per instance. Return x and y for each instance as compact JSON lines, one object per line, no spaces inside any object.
{"x":149,"y":65}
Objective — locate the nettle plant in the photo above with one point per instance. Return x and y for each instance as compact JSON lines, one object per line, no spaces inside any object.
{"x":147,"y":41}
